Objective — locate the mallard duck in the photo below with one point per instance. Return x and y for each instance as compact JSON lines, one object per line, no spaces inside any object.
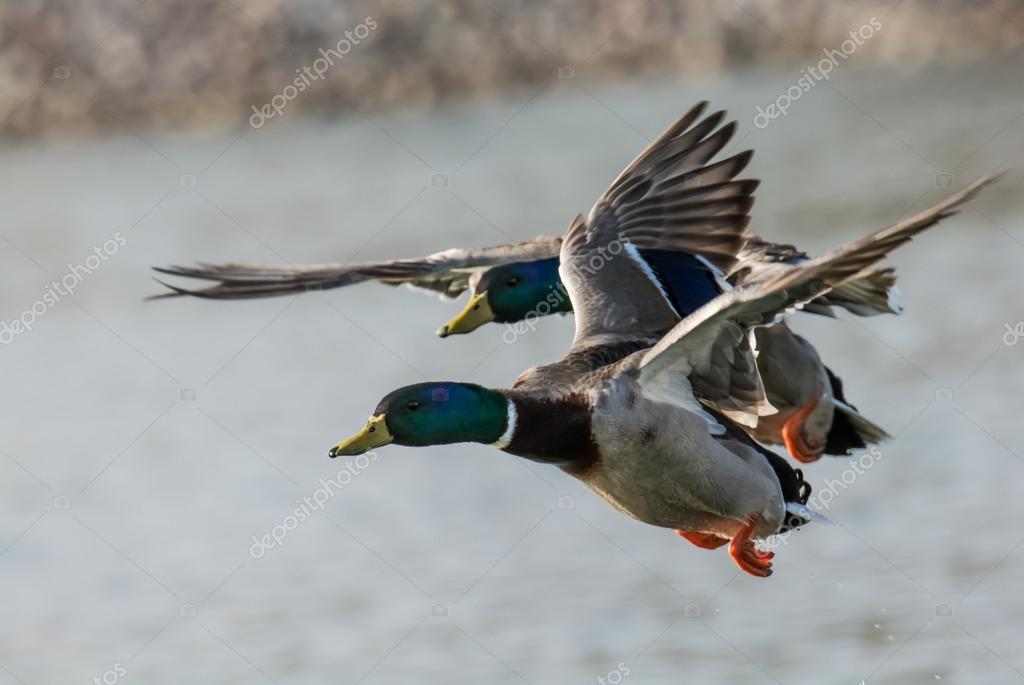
{"x":531,"y":289}
{"x":813,"y":417}
{"x":513,"y":283}
{"x":625,"y":410}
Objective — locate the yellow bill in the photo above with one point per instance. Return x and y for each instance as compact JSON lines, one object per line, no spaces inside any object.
{"x":374,"y":434}
{"x":477,"y":312}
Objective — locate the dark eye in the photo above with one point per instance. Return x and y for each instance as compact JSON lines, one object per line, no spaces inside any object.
{"x":512,"y":282}
{"x":413,"y":406}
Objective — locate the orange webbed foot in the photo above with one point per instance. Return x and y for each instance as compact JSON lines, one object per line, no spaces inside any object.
{"x":792,"y":436}
{"x":754,"y":561}
{"x":703,"y":540}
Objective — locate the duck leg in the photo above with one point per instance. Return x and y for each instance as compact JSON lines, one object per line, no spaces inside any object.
{"x":703,"y":540}
{"x":793,"y":436}
{"x":752,"y":560}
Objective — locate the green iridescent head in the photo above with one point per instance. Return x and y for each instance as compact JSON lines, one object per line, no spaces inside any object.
{"x":511,"y":293}
{"x":431,"y":414}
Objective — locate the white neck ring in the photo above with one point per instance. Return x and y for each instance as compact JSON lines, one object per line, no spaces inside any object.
{"x":506,"y":438}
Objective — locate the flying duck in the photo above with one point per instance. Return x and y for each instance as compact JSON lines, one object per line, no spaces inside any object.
{"x":512,"y":283}
{"x":636,"y":409}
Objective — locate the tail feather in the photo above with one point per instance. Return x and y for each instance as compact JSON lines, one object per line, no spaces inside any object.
{"x":871,"y":433}
{"x":873,"y":292}
{"x":850,"y":430}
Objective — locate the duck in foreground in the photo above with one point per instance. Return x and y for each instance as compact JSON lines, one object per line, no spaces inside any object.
{"x":622,"y":411}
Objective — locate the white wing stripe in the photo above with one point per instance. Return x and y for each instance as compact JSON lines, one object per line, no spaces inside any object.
{"x":635,"y":255}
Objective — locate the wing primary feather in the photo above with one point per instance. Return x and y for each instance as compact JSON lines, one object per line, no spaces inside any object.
{"x":688,"y":345}
{"x":447,"y":273}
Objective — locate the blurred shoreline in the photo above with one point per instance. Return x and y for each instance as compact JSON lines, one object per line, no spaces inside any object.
{"x":75,"y":69}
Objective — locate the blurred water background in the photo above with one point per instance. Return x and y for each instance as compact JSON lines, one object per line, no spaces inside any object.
{"x":144,"y":444}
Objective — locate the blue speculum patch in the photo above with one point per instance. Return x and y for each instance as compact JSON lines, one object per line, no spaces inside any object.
{"x":688,"y":281}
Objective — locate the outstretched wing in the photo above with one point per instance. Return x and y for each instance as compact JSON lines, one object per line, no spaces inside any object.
{"x":667,"y":199}
{"x":448,"y":273}
{"x":720,"y":327}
